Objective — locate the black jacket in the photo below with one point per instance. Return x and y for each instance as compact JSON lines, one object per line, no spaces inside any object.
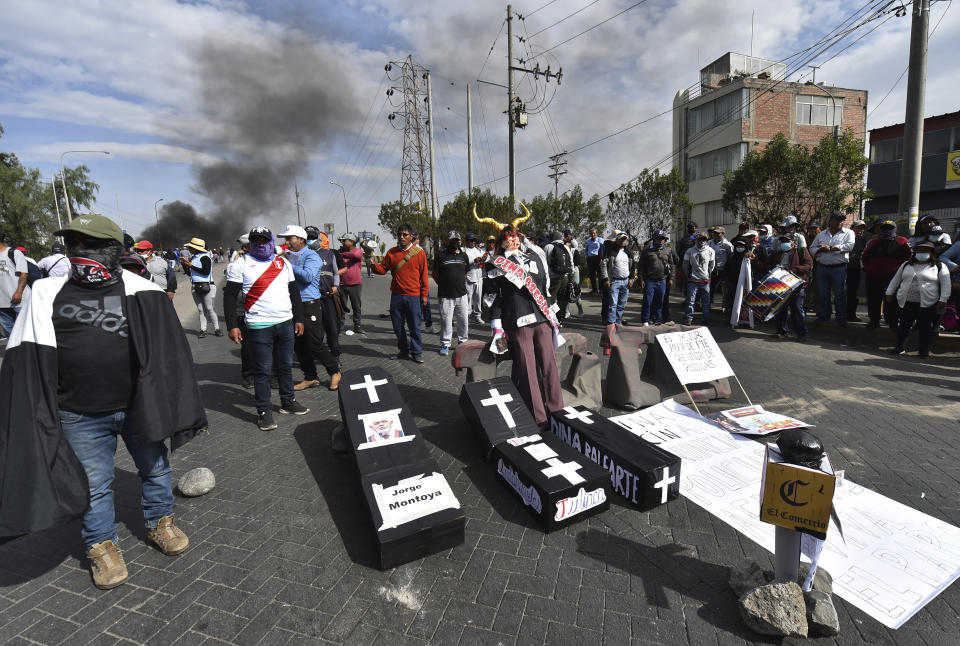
{"x":656,"y":264}
{"x":508,"y":302}
{"x":42,"y":483}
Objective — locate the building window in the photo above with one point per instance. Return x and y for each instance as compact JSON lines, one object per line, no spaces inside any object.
{"x":716,"y":162}
{"x":936,"y":142}
{"x":819,"y":110}
{"x":886,"y":151}
{"x":715,"y":214}
{"x":727,"y":108}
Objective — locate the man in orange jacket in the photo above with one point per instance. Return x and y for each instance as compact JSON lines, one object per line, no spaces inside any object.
{"x":409,"y":289}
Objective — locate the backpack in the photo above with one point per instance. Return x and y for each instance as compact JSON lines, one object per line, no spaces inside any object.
{"x":45,"y":273}
{"x":949,"y":319}
{"x":33,"y":271}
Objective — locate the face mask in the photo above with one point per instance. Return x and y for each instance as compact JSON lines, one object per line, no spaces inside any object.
{"x":739,"y":248}
{"x":923,"y":257}
{"x":94,"y":262}
{"x":262,"y":250}
{"x":701,"y":245}
{"x":786,"y":246}
{"x":657,"y":245}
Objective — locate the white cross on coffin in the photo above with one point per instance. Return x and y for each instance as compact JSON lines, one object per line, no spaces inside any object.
{"x":566,"y":469}
{"x":664,"y":485}
{"x":582,"y":415}
{"x":500,"y":401}
{"x":370,"y":385}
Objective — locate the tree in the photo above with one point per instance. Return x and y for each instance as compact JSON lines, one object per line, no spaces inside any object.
{"x":457,"y":214}
{"x":652,"y":201}
{"x":835,"y":175}
{"x":570,"y":211}
{"x":769,"y":185}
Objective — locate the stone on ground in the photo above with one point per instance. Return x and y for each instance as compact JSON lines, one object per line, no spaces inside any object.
{"x":747,"y":576}
{"x":822,"y":618}
{"x":775,"y":609}
{"x":822,"y":580}
{"x":197,"y":482}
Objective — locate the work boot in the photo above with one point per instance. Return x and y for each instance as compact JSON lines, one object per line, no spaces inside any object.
{"x":335,"y":380}
{"x":167,"y":537}
{"x":106,"y":565}
{"x":307,"y":383}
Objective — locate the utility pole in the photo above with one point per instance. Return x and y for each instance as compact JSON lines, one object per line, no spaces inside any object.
{"x":557,"y":164}
{"x":56,"y":200}
{"x":434,"y":202}
{"x":908,"y":209}
{"x":510,"y":124}
{"x":296,"y":197}
{"x":814,"y":68}
{"x":516,"y":117}
{"x":119,"y":214}
{"x":469,"y":145}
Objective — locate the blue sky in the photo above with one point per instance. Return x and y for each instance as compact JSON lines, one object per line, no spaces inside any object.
{"x":132,"y":78}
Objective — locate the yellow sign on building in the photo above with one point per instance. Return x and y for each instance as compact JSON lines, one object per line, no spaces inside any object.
{"x":953,"y":166}
{"x":796,"y":497}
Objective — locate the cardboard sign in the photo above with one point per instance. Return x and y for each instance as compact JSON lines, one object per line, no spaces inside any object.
{"x":796,"y":497}
{"x":694,"y":356}
{"x":640,"y":472}
{"x":495,"y":411}
{"x":413,"y":509}
{"x":557,"y":484}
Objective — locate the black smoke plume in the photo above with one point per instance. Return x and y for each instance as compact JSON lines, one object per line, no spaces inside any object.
{"x":268,"y":107}
{"x":179,"y":222}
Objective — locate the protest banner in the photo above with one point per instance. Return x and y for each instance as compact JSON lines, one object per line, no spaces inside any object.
{"x":891,"y":560}
{"x":694,"y":356}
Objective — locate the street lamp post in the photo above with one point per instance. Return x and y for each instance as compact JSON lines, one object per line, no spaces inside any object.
{"x":53,"y":185}
{"x":157,"y":217}
{"x":63,"y":177}
{"x":836,"y":132}
{"x":346,"y":218}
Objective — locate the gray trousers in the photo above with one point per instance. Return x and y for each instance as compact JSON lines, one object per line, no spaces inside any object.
{"x":448,"y":308}
{"x":205,"y":308}
{"x":474,"y":297}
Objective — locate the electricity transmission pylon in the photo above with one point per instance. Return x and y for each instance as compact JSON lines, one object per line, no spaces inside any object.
{"x":408,"y":96}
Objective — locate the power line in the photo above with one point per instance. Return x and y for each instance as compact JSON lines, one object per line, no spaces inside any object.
{"x":539,"y":8}
{"x":619,"y":13}
{"x":568,"y":16}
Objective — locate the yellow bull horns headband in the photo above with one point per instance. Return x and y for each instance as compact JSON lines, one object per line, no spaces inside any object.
{"x":500,"y":225}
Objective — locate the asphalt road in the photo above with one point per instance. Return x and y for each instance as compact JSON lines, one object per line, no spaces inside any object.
{"x":281,"y":553}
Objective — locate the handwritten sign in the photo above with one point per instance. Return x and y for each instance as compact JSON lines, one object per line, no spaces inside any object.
{"x":694,"y":355}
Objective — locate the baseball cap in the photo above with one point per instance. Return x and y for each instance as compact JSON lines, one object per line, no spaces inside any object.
{"x":491,"y":238}
{"x":143,"y":244}
{"x":622,"y":236}
{"x":789,"y":220}
{"x":294,"y":230}
{"x":719,"y":230}
{"x":750,"y":232}
{"x":888,"y":223}
{"x":349,"y":236}
{"x":701,"y":236}
{"x":858,"y":223}
{"x":95,"y":226}
{"x":244,"y":239}
{"x":260,"y":232}
{"x":660,"y":235}
{"x":453,"y":235}
{"x":470,"y":236}
{"x":837,"y":215}
{"x":313,"y":233}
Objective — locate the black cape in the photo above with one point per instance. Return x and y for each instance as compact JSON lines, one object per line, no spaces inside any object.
{"x":42,"y":483}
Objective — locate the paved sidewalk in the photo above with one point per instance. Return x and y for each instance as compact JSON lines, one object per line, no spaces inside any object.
{"x":282,"y":550}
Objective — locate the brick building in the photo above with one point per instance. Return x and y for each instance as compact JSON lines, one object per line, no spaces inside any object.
{"x":740,"y":104}
{"x":939,"y":171}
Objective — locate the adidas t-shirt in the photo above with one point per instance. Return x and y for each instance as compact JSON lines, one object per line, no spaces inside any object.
{"x":265,"y":289}
{"x":95,"y":361}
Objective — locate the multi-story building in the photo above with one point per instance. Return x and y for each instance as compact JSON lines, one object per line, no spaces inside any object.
{"x":740,"y":104}
{"x":939,"y":171}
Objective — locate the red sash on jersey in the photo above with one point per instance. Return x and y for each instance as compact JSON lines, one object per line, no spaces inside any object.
{"x":517,"y":275}
{"x":261,"y":284}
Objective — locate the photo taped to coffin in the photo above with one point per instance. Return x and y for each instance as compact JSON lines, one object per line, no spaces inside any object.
{"x":384,"y":425}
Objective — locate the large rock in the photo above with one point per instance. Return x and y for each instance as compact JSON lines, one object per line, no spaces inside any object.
{"x":197,"y":482}
{"x":822,"y":618}
{"x":822,"y":580}
{"x":775,"y":609}
{"x":747,"y":576}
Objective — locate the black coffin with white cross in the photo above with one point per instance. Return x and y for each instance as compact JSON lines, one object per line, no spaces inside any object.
{"x":495,"y":411}
{"x":414,"y":512}
{"x":413,"y":509}
{"x":642,"y":473}
{"x":557,"y":484}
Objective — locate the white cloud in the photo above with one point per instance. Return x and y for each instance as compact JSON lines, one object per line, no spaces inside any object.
{"x":118,"y":150}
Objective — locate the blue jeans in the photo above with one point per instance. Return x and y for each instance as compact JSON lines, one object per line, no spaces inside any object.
{"x":695,"y":291}
{"x":619,"y":291}
{"x":8,"y":316}
{"x":93,"y":438}
{"x":832,"y":278}
{"x":272,"y":344}
{"x":653,"y":295}
{"x":405,"y":310}
{"x":427,"y":314}
{"x":793,"y":312}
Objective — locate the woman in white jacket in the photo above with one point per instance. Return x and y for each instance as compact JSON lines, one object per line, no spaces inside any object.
{"x":922,"y":287}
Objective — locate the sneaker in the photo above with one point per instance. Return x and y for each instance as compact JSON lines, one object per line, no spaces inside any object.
{"x":247,"y":382}
{"x":335,"y":380}
{"x":444,"y":350}
{"x":417,"y":358}
{"x":265,"y":421}
{"x":429,"y":329}
{"x":307,"y":383}
{"x":357,"y":330}
{"x":217,"y":332}
{"x":349,"y":332}
{"x":202,"y":335}
{"x":167,"y":537}
{"x":898,"y":351}
{"x":106,"y":565}
{"x":783,"y":335}
{"x":293,"y":408}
